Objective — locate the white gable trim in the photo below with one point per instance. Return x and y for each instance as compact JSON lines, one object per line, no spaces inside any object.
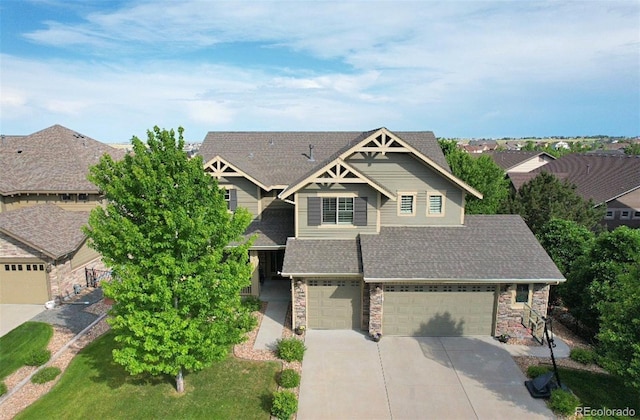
{"x":219,"y":167}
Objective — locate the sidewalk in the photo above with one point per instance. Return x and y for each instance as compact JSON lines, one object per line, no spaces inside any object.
{"x":278,"y":297}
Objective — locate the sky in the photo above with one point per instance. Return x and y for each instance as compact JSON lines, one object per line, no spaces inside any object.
{"x":112,"y":69}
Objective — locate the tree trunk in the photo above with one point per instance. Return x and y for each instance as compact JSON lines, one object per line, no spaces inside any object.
{"x":180,"y":382}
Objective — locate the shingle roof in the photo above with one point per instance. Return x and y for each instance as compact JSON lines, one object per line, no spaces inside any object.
{"x":509,"y":158}
{"x":46,"y":228}
{"x":487,"y":247}
{"x":321,"y":256}
{"x":598,"y":177}
{"x":280,"y":158}
{"x":273,"y":229}
{"x":55,"y":159}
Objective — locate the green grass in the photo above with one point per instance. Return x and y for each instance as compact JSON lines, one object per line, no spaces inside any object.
{"x":599,"y":390}
{"x":95,"y":387}
{"x":28,"y":337}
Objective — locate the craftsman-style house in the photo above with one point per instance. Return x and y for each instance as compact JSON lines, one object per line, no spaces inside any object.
{"x":45,"y":199}
{"x":370,"y":230}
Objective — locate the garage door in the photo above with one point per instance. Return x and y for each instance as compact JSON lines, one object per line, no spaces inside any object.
{"x":23,"y":283}
{"x":334,"y":304}
{"x":438,"y":310}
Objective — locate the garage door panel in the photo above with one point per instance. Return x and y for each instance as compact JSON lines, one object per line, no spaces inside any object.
{"x":334,"y":304}
{"x":23,"y":283}
{"x":438,"y":310}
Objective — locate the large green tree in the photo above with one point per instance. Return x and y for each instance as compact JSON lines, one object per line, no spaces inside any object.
{"x":165,"y":232}
{"x":619,"y":336}
{"x":546,"y":197}
{"x":482,"y":174}
{"x":565,"y":241}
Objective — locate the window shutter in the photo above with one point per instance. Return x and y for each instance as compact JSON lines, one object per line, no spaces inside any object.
{"x":360,"y":211}
{"x":233,"y":199}
{"x":314,"y":211}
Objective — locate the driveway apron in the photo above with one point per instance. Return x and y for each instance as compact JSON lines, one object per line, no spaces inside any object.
{"x":347,"y":376}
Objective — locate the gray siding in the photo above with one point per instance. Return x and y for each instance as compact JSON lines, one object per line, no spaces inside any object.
{"x":246,"y":193}
{"x":401,"y":172}
{"x":305,"y":230}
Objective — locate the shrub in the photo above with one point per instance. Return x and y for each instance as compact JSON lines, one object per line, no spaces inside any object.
{"x":584,"y":356}
{"x":284,"y":404}
{"x":536,"y":370}
{"x":45,"y":375}
{"x":291,"y":349}
{"x":289,"y":378}
{"x":252,"y":303}
{"x":37,"y":357}
{"x":563,"y":402}
{"x":3,"y":388}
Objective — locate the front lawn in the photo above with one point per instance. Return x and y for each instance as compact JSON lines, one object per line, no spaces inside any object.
{"x":19,"y":342}
{"x":598,"y":390}
{"x":95,"y":387}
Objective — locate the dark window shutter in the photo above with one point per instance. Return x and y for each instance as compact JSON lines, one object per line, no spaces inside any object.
{"x":360,"y":211}
{"x":233,"y":199}
{"x":314,"y":211}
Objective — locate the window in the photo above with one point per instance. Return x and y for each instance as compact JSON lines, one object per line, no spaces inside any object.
{"x":521,"y":293}
{"x":435,"y":204}
{"x":407,"y":204}
{"x":83,"y":197}
{"x":625,"y":214}
{"x":337,"y":211}
{"x":636,"y":214}
{"x":65,"y":197}
{"x":227,"y":196}
{"x":609,"y":215}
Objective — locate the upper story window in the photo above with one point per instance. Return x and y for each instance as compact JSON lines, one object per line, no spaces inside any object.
{"x":337,"y":210}
{"x":65,"y":197}
{"x":435,"y":204}
{"x":625,"y":214}
{"x":83,"y":197}
{"x":231,"y":197}
{"x":407,"y":204}
{"x":609,"y":215}
{"x":636,"y":214}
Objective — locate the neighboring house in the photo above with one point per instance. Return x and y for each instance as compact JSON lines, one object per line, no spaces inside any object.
{"x":518,"y":161}
{"x":370,"y":230}
{"x":561,"y":145}
{"x":613,"y":180}
{"x":45,"y":198}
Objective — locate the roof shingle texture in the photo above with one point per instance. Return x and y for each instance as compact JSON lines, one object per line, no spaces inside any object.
{"x":281,"y":158}
{"x":598,"y":177}
{"x":509,"y":158}
{"x":46,"y":228}
{"x":55,"y":159}
{"x":487,"y":247}
{"x":273,"y":229}
{"x":322,"y":256}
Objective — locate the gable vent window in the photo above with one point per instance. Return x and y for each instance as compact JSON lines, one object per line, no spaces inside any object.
{"x":407,"y":204}
{"x":436,"y":204}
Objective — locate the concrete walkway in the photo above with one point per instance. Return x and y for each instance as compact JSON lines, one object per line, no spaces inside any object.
{"x":278,"y":297}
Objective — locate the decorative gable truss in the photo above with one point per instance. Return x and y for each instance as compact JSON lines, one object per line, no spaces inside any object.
{"x":382,"y":143}
{"x":219,"y":167}
{"x":337,"y":172}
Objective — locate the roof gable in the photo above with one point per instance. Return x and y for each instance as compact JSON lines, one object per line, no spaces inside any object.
{"x":219,"y":167}
{"x":508,"y":159}
{"x":52,"y":160}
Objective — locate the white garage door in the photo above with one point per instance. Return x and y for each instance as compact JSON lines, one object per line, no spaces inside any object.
{"x":22,"y":282}
{"x":334,"y":304}
{"x":438,"y":310}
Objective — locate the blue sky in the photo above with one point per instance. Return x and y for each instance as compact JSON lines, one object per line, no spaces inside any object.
{"x":113,"y":69}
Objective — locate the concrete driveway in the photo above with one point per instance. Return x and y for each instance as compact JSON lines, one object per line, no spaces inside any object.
{"x":12,"y":315}
{"x":347,"y":376}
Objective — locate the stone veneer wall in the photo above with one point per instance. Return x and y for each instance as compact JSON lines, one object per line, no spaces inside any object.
{"x":365,"y":306}
{"x":376,"y":297}
{"x":509,"y":319}
{"x":299,"y":303}
{"x":62,"y":277}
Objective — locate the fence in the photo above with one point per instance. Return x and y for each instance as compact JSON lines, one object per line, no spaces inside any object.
{"x":94,"y":277}
{"x":534,"y":322}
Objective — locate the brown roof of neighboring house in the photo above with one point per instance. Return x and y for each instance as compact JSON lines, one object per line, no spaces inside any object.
{"x":46,"y":228}
{"x":601,"y":177}
{"x":507,"y":159}
{"x":281,"y":158}
{"x":491,"y":248}
{"x":54,"y":160}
